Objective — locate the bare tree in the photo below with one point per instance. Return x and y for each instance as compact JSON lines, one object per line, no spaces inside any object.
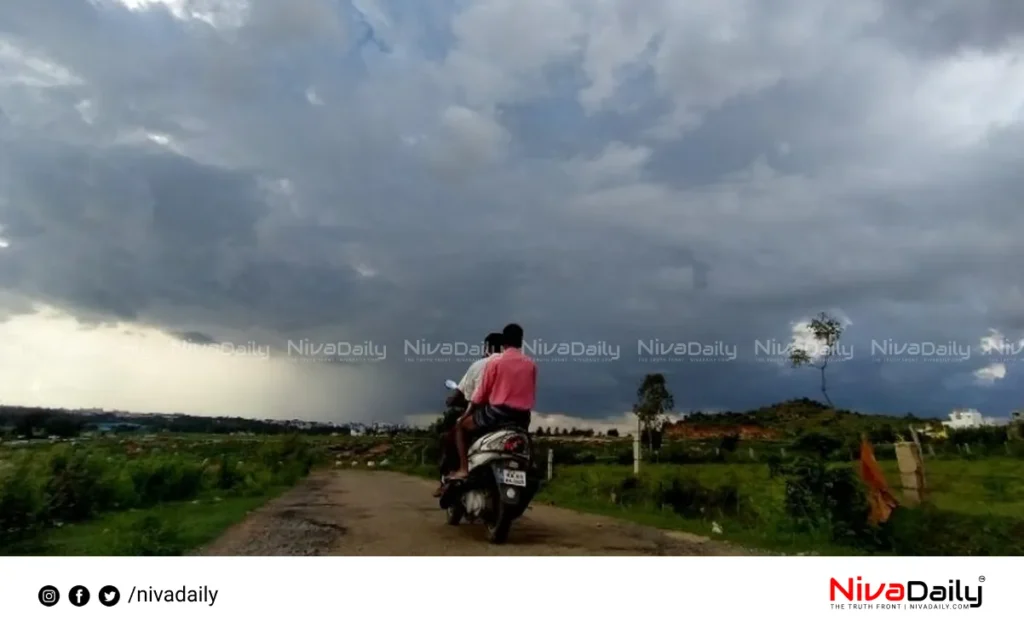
{"x":826,"y":330}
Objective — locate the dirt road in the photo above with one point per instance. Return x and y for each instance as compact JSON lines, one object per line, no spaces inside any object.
{"x":352,"y":512}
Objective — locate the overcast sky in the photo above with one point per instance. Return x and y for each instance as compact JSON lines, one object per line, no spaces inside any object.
{"x":179,"y":175}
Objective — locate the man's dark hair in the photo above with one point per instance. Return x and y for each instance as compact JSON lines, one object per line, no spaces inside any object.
{"x":513,"y":335}
{"x":492,"y":344}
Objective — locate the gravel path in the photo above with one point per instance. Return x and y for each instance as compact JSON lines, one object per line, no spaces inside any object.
{"x":353,"y":512}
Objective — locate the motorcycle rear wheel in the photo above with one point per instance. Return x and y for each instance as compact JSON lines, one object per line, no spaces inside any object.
{"x":499,"y":525}
{"x":454,"y":513}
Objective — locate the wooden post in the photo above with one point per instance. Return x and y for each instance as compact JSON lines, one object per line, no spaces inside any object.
{"x":920,"y":456}
{"x":783,"y":453}
{"x":636,"y":454}
{"x":967,"y":448}
{"x":551,"y":463}
{"x":911,"y":472}
{"x":931,"y":451}
{"x":751,"y":451}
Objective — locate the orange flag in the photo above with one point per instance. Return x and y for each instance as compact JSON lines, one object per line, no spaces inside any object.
{"x":880,"y":500}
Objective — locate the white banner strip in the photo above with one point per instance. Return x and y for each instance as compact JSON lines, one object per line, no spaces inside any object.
{"x":539,"y":594}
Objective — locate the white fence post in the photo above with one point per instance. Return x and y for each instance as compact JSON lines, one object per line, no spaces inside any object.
{"x":551,"y":463}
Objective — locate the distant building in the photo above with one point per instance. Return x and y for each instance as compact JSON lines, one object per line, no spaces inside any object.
{"x":966,"y":419}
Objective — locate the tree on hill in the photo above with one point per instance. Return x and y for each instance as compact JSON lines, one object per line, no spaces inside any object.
{"x":654,"y":402}
{"x":612,"y":433}
{"x":826,"y":331}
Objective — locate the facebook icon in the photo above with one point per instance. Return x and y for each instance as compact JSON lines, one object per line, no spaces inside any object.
{"x":79,"y":596}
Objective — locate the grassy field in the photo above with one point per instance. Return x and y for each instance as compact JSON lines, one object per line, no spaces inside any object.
{"x":141,"y":495}
{"x":975,"y":505}
{"x":751,"y":504}
{"x":171,"y":529}
{"x":981,"y":487}
{"x":167,"y":494}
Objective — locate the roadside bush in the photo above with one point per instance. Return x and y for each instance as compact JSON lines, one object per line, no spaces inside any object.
{"x":629,"y":492}
{"x":729,"y":443}
{"x":160,"y":480}
{"x":818,"y":444}
{"x":827,"y":499}
{"x":688,"y":498}
{"x":684,"y":496}
{"x":77,"y":488}
{"x":674,"y":454}
{"x":149,"y":535}
{"x":928,"y":531}
{"x":47,"y":485}
{"x":228,"y":473}
{"x":22,"y":504}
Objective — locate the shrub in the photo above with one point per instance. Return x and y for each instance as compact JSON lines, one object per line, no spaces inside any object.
{"x":928,"y":531}
{"x":77,"y":489}
{"x":149,"y":535}
{"x":228,"y":474}
{"x":832,"y":500}
{"x":688,"y":498}
{"x":158,"y":480}
{"x":729,"y":443}
{"x":818,"y":444}
{"x":22,"y":504}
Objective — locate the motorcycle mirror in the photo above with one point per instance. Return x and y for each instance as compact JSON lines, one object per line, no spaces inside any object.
{"x":451,"y":384}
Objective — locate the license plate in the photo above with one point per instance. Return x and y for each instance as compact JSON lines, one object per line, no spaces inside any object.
{"x":514,"y":478}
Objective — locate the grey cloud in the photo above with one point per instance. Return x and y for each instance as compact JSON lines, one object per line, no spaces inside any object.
{"x":941,"y":27}
{"x":413,"y":204}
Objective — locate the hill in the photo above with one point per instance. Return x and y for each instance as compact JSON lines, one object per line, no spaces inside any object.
{"x":789,"y":419}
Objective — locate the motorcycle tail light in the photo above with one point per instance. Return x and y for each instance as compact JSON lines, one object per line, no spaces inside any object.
{"x":514,"y":444}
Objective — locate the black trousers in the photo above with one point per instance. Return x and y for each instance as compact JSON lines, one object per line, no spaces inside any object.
{"x":449,"y":451}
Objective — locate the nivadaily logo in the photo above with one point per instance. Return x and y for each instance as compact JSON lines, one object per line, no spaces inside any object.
{"x":913,"y":594}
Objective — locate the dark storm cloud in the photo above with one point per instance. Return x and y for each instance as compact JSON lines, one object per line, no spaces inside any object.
{"x":939,"y":27}
{"x":391,"y":173}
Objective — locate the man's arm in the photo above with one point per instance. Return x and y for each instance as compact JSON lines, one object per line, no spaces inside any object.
{"x":483,"y":390}
{"x":470,"y":377}
{"x":466,"y":385}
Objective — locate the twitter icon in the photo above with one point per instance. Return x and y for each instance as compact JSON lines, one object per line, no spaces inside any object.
{"x":109,"y":596}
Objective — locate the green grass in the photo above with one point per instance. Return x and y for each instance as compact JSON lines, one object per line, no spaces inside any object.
{"x":989,"y":486}
{"x":171,"y":529}
{"x":591,"y":489}
{"x":576,"y":488}
{"x":983,"y":495}
{"x":141,"y":496}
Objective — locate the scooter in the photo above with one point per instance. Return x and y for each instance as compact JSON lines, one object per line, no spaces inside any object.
{"x":501,"y":483}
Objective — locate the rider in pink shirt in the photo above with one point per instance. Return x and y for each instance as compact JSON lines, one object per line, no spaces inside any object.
{"x":506,"y":394}
{"x":510,"y":380}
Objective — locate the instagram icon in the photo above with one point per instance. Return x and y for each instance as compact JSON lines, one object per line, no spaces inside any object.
{"x":49,"y":596}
